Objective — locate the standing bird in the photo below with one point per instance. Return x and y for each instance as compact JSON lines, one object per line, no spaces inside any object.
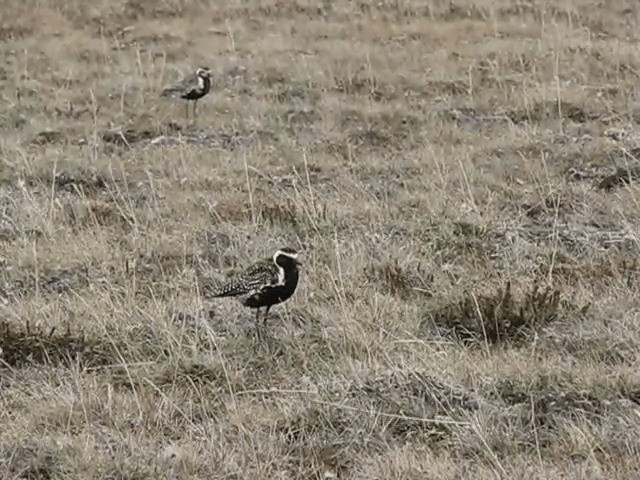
{"x":193,"y":87}
{"x":264,"y":284}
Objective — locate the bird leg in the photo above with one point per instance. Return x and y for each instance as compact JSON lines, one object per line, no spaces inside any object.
{"x":266,"y":314}
{"x":258,"y":323}
{"x":187,"y":109}
{"x":195,"y":104}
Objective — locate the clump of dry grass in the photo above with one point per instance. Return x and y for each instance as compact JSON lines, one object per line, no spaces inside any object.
{"x":500,"y":317}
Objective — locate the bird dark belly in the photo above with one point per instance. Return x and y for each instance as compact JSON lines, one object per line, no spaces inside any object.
{"x":198,"y":92}
{"x":193,"y":95}
{"x":271,"y":296}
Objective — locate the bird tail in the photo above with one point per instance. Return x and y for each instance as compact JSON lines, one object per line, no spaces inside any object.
{"x":170,"y":92}
{"x":211,"y":289}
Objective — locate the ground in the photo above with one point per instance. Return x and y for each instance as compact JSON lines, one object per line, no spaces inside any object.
{"x":461,"y":177}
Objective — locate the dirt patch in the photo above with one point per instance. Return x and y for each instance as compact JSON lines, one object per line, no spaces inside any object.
{"x":580,"y":240}
{"x":173,"y":134}
{"x":318,"y":439}
{"x":548,"y":400}
{"x":27,"y":345}
{"x":153,"y":265}
{"x":382,"y":131}
{"x":397,"y":123}
{"x":413,"y":402}
{"x":606,"y":270}
{"x":399,"y":280}
{"x":77,"y":181}
{"x":467,"y":238}
{"x":283,"y":212}
{"x":467,"y":118}
{"x":603,"y":351}
{"x":129,"y":136}
{"x":193,"y":374}
{"x":374,"y":89}
{"x":371,"y":137}
{"x":229,"y":210}
{"x":298,"y":118}
{"x":47,"y":137}
{"x":536,"y":113}
{"x":295,"y":94}
{"x":437,"y":397}
{"x":550,"y":207}
{"x":447,"y":88}
{"x":542,"y":111}
{"x":96,"y":213}
{"x":31,"y":461}
{"x":283,"y":88}
{"x":82,"y":183}
{"x":601,"y":166}
{"x":53,"y":282}
{"x":364,"y":84}
{"x":196,"y":327}
{"x":622,"y":176}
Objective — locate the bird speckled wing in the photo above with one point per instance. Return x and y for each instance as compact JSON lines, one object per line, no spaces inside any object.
{"x":252,"y":280}
{"x":185,"y":88}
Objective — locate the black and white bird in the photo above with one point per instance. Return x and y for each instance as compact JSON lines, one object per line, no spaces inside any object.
{"x":265,"y":283}
{"x":191,"y":88}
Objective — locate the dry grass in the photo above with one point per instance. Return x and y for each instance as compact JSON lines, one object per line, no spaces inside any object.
{"x":461,"y":175}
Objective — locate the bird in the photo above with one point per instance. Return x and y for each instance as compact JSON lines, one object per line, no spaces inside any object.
{"x":191,"y":88}
{"x":265,"y":283}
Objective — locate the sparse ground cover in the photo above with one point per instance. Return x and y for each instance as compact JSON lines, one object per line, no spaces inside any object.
{"x":461,"y":175}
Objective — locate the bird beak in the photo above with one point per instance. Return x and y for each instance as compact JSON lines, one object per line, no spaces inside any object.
{"x":298,"y":261}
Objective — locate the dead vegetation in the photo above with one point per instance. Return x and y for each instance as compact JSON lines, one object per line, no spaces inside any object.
{"x":461,"y":177}
{"x":22,"y":346}
{"x":499,"y":318}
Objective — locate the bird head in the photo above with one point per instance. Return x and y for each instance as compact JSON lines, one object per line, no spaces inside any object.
{"x":286,"y":256}
{"x":203,"y":72}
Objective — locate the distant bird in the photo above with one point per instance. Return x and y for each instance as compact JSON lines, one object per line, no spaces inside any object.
{"x":193,"y":87}
{"x":264,"y":284}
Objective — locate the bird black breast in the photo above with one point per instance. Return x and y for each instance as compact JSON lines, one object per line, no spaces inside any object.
{"x":276,"y":294}
{"x":196,"y":92}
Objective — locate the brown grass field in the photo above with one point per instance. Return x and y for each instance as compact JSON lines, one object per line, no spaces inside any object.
{"x":462,"y":177}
